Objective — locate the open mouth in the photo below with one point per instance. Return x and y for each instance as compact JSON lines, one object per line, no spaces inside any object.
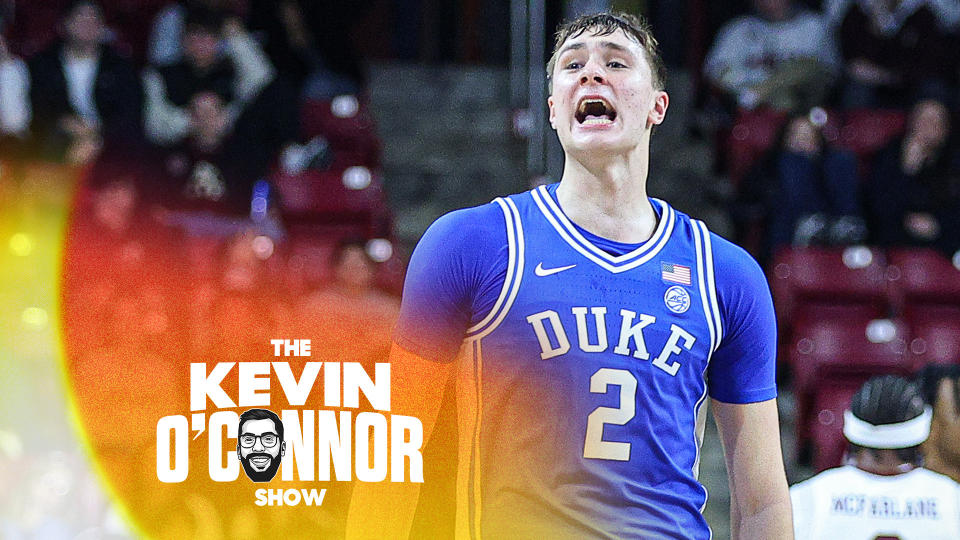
{"x":595,"y":111}
{"x":260,"y":462}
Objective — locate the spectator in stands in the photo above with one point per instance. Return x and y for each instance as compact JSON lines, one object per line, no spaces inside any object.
{"x":208,"y":170}
{"x":895,"y":49}
{"x":804,"y":190}
{"x":940,"y":385}
{"x":914,"y":194}
{"x":242,"y":305}
{"x":351,"y":314}
{"x":14,"y":97}
{"x":120,"y":259}
{"x":296,"y":34}
{"x":165,"y":45}
{"x":244,"y":269}
{"x":780,"y":55}
{"x":883,"y":490}
{"x":238,"y":75}
{"x":86,"y":98}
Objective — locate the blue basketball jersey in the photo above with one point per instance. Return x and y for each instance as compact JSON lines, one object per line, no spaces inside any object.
{"x":583,"y":364}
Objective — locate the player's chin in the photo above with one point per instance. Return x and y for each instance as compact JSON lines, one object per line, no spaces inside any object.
{"x":598,"y":141}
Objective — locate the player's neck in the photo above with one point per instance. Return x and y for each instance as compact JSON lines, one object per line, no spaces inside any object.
{"x":608,"y":199}
{"x":882,"y":463}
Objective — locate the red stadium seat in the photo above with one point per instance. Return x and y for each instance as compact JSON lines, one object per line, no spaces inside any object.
{"x":826,"y":347}
{"x":753,"y":132}
{"x":335,"y":195}
{"x":826,"y":427}
{"x":923,"y":276}
{"x":854,"y":347}
{"x":36,"y":26}
{"x":865,"y":131}
{"x":852,"y":276}
{"x":347,"y":124}
{"x":390,"y":274}
{"x":808,"y":312}
{"x":307,"y":258}
{"x":309,"y":253}
{"x":934,"y":336}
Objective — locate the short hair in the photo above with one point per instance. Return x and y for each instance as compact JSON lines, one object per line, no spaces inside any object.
{"x":604,"y":24}
{"x":75,"y":4}
{"x":200,"y":18}
{"x":888,"y":399}
{"x":260,"y":414}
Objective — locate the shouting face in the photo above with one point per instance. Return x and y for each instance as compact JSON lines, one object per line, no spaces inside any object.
{"x":604,"y":99}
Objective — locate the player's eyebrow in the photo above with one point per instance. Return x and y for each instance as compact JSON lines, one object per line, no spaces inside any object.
{"x":605,"y":44}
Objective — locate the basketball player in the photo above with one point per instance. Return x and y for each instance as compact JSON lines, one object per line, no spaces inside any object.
{"x":583,"y":321}
{"x":882,"y":491}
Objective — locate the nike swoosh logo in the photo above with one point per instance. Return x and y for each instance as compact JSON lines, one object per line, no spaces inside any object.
{"x":541,"y":271}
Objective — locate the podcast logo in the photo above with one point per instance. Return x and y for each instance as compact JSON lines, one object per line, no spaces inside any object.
{"x":260,"y":444}
{"x":321,"y":432}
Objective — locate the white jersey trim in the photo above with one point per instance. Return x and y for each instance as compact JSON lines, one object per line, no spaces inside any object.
{"x":609,"y":262}
{"x":702,"y":286}
{"x":469,"y":416}
{"x":568,"y":226}
{"x":699,"y":409}
{"x":511,"y":284}
{"x":711,"y":281}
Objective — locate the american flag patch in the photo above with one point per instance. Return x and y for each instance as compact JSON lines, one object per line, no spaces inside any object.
{"x":675,"y":273}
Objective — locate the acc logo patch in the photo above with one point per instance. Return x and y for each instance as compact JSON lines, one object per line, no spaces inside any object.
{"x":677,"y":299}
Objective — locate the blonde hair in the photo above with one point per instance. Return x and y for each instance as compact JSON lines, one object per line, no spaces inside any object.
{"x":604,"y":24}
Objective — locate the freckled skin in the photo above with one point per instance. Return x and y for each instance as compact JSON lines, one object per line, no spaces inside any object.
{"x":616,"y":68}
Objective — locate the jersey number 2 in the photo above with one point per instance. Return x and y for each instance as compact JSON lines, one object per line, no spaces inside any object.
{"x":594,"y":447}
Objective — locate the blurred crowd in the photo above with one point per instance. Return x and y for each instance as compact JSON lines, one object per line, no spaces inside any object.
{"x":836,"y":125}
{"x":217,"y":138}
{"x":195,"y":109}
{"x":227,"y":192}
{"x":230,"y":187}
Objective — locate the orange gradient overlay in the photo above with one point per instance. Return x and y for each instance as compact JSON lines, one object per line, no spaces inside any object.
{"x":126,"y":303}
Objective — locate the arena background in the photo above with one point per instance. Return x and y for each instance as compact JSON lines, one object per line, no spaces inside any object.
{"x":434,"y":102}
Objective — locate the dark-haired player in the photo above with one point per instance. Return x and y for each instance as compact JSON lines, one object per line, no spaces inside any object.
{"x":587,"y":324}
{"x":883,"y":491}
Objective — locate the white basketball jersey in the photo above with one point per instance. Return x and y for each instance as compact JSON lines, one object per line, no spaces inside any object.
{"x":852,"y":504}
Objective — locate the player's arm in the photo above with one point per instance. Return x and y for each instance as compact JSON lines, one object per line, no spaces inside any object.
{"x":448,"y":273}
{"x":742,"y":384}
{"x":759,"y":499}
{"x":386,"y":509}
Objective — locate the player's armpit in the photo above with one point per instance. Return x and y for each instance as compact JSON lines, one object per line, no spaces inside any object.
{"x":759,"y":498}
{"x":386,"y":509}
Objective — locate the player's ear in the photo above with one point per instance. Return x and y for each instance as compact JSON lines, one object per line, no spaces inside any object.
{"x":659,"y":110}
{"x":553,"y":114}
{"x":283,"y":448}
